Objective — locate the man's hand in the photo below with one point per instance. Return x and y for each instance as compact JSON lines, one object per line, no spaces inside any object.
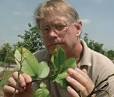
{"x":19,"y":86}
{"x":80,"y":83}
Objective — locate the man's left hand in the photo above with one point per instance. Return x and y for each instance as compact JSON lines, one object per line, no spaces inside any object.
{"x":80,"y":83}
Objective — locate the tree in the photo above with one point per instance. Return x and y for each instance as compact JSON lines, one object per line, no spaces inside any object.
{"x":31,"y":39}
{"x":7,"y":54}
{"x":98,"y":47}
{"x":110,"y":54}
{"x":94,"y":45}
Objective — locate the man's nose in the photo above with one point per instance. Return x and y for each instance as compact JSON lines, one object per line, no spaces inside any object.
{"x":52,"y":33}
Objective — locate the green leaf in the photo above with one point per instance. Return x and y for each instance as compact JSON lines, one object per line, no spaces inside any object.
{"x":41,"y":92}
{"x":61,"y":62}
{"x":30,"y":64}
{"x":44,"y":70}
{"x":43,"y":85}
{"x":58,"y":58}
{"x":4,"y":78}
{"x":61,"y":79}
{"x":27,"y":60}
{"x":69,"y":63}
{"x":2,"y":83}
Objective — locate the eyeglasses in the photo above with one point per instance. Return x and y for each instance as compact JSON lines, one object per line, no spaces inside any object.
{"x":58,"y":28}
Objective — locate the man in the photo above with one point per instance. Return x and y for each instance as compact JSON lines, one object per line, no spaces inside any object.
{"x":60,"y":25}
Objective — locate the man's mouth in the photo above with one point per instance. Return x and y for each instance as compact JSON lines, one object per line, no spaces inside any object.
{"x":54,"y":44}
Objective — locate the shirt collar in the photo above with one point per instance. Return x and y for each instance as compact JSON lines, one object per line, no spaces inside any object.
{"x":86,"y":58}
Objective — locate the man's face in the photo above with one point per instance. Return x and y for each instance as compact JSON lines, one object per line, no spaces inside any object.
{"x":58,"y":31}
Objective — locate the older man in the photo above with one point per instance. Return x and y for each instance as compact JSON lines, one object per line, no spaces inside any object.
{"x":60,"y":25}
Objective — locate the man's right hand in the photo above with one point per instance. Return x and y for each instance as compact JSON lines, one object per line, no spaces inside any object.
{"x":19,"y":86}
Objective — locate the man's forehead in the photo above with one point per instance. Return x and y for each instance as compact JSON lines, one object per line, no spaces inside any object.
{"x":54,"y":20}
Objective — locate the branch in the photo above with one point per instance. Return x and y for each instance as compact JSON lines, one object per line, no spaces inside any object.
{"x":95,"y":91}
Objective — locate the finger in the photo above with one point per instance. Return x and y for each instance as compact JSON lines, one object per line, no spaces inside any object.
{"x":85,"y":71}
{"x":81,"y":77}
{"x":72,"y":92}
{"x":19,"y":78}
{"x":77,"y":86}
{"x":87,"y":79}
{"x":91,"y":85}
{"x":82,"y":72}
{"x":76,"y":74}
{"x":28,"y":81}
{"x":12,"y":82}
{"x":9,"y":89}
{"x":27,"y":78}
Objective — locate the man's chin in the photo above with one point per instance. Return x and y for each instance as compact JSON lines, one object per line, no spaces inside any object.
{"x":52,"y":48}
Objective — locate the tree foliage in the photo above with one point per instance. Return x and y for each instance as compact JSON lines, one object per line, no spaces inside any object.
{"x":110,"y":54}
{"x":99,"y":47}
{"x":7,"y":54}
{"x":31,"y":39}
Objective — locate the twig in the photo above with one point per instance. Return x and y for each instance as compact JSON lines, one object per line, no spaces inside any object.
{"x":19,"y":71}
{"x":95,"y":91}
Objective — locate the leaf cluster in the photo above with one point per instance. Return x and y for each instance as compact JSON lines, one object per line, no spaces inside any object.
{"x":56,"y":71}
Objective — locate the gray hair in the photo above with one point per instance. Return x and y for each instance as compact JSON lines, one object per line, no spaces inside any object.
{"x":55,"y":7}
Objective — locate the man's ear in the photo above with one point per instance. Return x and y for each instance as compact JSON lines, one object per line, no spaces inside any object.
{"x":78,"y":26}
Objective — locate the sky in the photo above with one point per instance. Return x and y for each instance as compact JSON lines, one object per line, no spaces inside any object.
{"x":97,"y":17}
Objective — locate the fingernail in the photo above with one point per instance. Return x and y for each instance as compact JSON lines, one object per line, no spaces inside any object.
{"x":68,"y":79}
{"x":77,"y":69}
{"x":68,"y":89}
{"x":70,"y":71}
